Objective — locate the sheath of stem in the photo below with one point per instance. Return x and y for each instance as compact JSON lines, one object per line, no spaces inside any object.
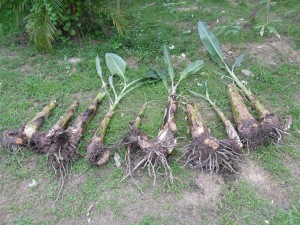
{"x":138,"y":119}
{"x":239,"y":109}
{"x":82,"y":121}
{"x":197,"y":125}
{"x":116,"y":66}
{"x":230,"y":130}
{"x":64,"y":120}
{"x":38,"y":120}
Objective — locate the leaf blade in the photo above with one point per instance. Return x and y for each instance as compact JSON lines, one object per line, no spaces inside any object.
{"x":191,"y":69}
{"x":167,"y":60}
{"x":238,"y":61}
{"x":98,"y":66}
{"x":210,"y":43}
{"x":115,"y":64}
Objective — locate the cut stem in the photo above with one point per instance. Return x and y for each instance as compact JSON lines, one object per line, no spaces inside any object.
{"x":31,"y":127}
{"x":82,"y":121}
{"x":65,"y":119}
{"x":240,"y":111}
{"x":21,"y":137}
{"x":206,"y":152}
{"x":260,"y":109}
{"x":197,"y":126}
{"x":230,"y":130}
{"x":96,"y":152}
{"x":168,"y":128}
{"x":138,"y":119}
{"x":41,"y":141}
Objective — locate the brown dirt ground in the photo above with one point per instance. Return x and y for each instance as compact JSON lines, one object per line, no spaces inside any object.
{"x":204,"y":197}
{"x":272,"y":52}
{"x":187,"y":8}
{"x":132,"y":63}
{"x":260,"y":179}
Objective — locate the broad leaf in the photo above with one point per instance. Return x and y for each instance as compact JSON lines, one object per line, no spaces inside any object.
{"x":211,"y":43}
{"x":152,"y":74}
{"x":115,"y":64}
{"x":98,"y":67}
{"x":167,"y":59}
{"x":191,"y":69}
{"x":272,"y":30}
{"x":238,"y":61}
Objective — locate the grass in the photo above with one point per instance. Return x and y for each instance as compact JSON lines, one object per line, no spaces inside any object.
{"x":29,"y":79}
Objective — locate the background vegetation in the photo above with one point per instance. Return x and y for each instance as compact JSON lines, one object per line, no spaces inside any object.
{"x":266,"y":192}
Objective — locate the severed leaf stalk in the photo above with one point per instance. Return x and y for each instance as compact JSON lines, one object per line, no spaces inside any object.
{"x":269,"y":119}
{"x":15,"y":139}
{"x":132,"y":138}
{"x":97,"y":153}
{"x":63,"y":150}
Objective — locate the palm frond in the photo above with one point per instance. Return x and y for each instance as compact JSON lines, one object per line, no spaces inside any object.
{"x":116,"y":16}
{"x":40,"y":28}
{"x":2,"y":2}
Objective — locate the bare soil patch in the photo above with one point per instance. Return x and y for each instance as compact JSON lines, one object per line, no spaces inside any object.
{"x":274,"y":51}
{"x":83,"y":96}
{"x":132,"y":63}
{"x":180,"y":61}
{"x":259,"y":178}
{"x":187,"y":8}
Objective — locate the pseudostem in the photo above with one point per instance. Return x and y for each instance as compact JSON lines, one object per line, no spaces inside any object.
{"x":14,"y":139}
{"x":205,"y":152}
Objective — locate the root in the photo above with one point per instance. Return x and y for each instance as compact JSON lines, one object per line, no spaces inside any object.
{"x":154,"y":159}
{"x":62,"y":152}
{"x":130,"y":141}
{"x":97,"y":154}
{"x":41,"y":142}
{"x":151,"y":154}
{"x":208,"y":154}
{"x":256,"y":134}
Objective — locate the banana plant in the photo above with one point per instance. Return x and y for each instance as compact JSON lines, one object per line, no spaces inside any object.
{"x":97,"y":153}
{"x":269,"y":124}
{"x":153,"y":153}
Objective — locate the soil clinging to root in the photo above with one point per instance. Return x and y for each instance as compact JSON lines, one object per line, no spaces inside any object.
{"x":153,"y":153}
{"x":256,"y":134}
{"x":97,"y":153}
{"x":205,"y":152}
{"x":209,"y":154}
{"x":62,"y":151}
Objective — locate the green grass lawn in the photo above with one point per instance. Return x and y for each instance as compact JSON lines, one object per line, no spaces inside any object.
{"x":267,"y":190}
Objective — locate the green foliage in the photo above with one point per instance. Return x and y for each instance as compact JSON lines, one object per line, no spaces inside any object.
{"x":50,"y":20}
{"x":263,"y":26}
